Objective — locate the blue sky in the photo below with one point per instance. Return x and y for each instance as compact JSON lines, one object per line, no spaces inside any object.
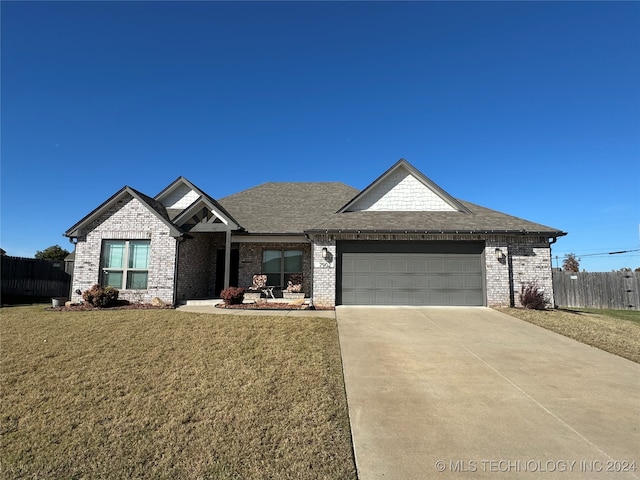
{"x":529,"y":108}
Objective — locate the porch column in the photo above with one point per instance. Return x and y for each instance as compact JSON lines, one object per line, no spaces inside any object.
{"x":227,"y":259}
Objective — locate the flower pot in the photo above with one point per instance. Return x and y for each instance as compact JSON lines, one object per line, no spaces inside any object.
{"x":58,"y":301}
{"x":292,"y":295}
{"x":252,"y":296}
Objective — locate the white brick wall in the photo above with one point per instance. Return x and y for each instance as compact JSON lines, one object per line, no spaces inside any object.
{"x":324,"y":273}
{"x":401,"y":191}
{"x":525,"y":259}
{"x":128,"y":220}
{"x":532,"y":263}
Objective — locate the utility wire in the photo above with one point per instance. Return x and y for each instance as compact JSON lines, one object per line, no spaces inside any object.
{"x":603,"y":254}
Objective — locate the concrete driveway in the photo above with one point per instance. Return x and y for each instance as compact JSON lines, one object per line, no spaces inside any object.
{"x":458,"y":392}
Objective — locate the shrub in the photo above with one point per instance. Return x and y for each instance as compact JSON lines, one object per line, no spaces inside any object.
{"x":232,"y":295}
{"x":532,"y":297}
{"x":100,"y":296}
{"x":295,"y":283}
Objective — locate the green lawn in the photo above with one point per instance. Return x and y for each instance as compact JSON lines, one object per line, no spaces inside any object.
{"x":168,"y":394}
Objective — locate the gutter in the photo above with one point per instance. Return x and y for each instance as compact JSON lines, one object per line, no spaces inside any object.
{"x":551,"y":234}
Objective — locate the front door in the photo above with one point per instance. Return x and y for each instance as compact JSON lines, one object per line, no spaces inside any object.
{"x":233,"y":277}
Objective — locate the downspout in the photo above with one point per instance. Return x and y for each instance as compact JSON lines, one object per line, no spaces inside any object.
{"x":552,"y":240}
{"x":313,"y":268}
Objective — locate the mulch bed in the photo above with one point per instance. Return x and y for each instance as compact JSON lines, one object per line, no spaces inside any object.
{"x":271,"y":306}
{"x":83,"y":307}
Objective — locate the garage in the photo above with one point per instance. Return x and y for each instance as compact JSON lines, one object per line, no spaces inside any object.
{"x":410,"y":273}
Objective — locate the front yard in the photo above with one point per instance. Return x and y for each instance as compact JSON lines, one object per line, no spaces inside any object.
{"x":167,"y":394}
{"x":615,"y":331}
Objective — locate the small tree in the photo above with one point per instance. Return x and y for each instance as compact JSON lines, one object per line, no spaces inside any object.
{"x":54,"y":252}
{"x":571,"y":263}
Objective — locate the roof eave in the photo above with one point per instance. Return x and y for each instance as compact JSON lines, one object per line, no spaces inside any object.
{"x":546,"y":233}
{"x":75,"y":231}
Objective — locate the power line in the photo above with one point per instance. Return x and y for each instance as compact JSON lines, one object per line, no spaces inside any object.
{"x":601,"y":254}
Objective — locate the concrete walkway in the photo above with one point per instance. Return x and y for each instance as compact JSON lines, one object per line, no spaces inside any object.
{"x":473,"y":393}
{"x":272,"y":313}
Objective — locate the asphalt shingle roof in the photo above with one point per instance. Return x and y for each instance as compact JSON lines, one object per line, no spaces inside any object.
{"x":480,"y":220}
{"x":286,"y":207}
{"x":293,"y":208}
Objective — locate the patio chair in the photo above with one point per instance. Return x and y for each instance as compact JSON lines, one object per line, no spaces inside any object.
{"x":260,"y":284}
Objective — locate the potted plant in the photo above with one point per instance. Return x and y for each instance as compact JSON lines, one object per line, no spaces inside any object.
{"x":294,"y":287}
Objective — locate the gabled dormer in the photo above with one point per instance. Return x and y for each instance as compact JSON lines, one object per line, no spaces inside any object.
{"x":193,"y":210}
{"x":403,"y":188}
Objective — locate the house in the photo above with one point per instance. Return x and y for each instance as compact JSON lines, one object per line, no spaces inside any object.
{"x":402,"y":240}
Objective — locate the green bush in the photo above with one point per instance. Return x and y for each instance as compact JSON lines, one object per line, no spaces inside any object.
{"x":232,"y":295}
{"x":100,"y":296}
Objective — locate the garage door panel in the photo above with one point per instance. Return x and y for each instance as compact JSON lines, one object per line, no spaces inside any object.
{"x":436,"y":281}
{"x":419,"y":264}
{"x":473,"y":281}
{"x":435,"y":264}
{"x":401,"y":297}
{"x":398,"y":264}
{"x":382,"y":282}
{"x":456,"y":281}
{"x":400,"y":278}
{"x":400,"y":281}
{"x":363,"y":265}
{"x":419,"y":282}
{"x":382,"y":297}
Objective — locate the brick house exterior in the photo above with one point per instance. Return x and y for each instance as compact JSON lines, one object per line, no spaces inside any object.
{"x":401,"y":240}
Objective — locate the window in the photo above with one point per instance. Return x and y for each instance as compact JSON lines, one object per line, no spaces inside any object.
{"x":280,"y":264}
{"x":125,"y":264}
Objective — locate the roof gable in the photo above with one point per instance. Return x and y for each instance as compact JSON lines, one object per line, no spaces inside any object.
{"x":204,"y":216}
{"x":179,"y":194}
{"x":153,"y":206}
{"x":403,"y":188}
{"x":189,"y":206}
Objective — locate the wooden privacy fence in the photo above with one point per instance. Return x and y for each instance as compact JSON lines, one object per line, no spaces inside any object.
{"x":30,"y":277}
{"x":612,"y":290}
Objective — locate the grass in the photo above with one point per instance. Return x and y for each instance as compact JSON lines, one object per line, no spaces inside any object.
{"x":630,"y":315}
{"x":615,"y":331}
{"x":167,"y":394}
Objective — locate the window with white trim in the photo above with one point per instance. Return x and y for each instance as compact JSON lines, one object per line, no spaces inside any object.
{"x":125,"y":264}
{"x":278,"y":265}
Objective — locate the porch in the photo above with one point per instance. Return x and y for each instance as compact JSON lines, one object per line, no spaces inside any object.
{"x":203,"y":258}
